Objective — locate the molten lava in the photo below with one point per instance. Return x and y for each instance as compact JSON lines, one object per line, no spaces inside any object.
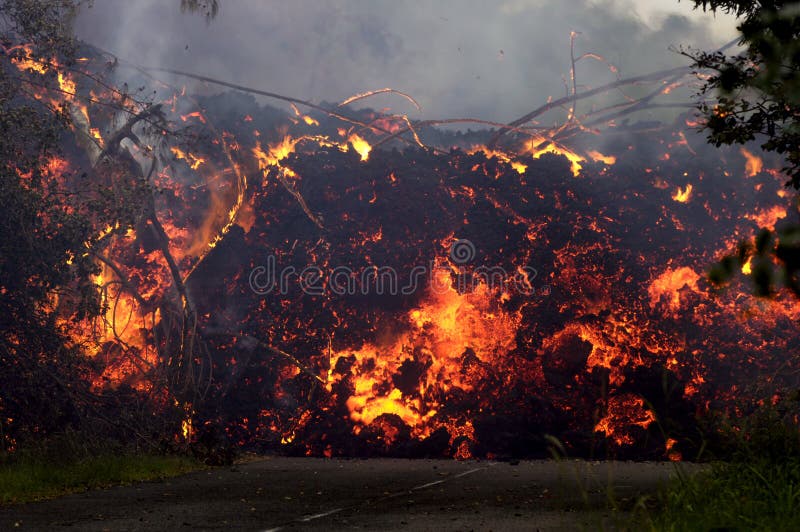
{"x":436,"y":350}
{"x":581,"y":310}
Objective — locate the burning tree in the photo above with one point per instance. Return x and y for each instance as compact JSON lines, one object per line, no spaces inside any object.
{"x":60,"y":292}
{"x":43,"y":375}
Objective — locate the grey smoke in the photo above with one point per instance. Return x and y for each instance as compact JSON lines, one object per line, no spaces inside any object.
{"x":490,"y":60}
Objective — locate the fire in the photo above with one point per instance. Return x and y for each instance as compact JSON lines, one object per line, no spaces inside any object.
{"x":120,"y":320}
{"x":516,"y":165}
{"x":67,"y":85}
{"x":670,"y":283}
{"x":446,"y":331}
{"x":596,"y":156}
{"x":452,"y":359}
{"x":768,"y":217}
{"x":56,"y":165}
{"x":27,"y":61}
{"x":96,"y":135}
{"x":192,"y":160}
{"x":186,"y":428}
{"x":194,"y":114}
{"x":622,"y":413}
{"x":747,"y":267}
{"x":360,"y":145}
{"x":683,"y":195}
{"x":753,"y":163}
{"x":674,"y":456}
{"x":538,"y":146}
{"x":275,"y":154}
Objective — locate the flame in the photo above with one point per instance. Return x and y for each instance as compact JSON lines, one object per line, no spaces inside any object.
{"x":623,"y":412}
{"x":95,"y":133}
{"x":753,"y":163}
{"x":596,"y":156}
{"x":683,"y":195}
{"x":538,"y":146}
{"x":67,"y":85}
{"x":27,"y":61}
{"x":447,"y":327}
{"x":747,"y":267}
{"x":360,"y":145}
{"x":194,"y":114}
{"x":192,"y":160}
{"x":120,"y":317}
{"x":670,"y":283}
{"x":672,"y":86}
{"x":186,"y":428}
{"x":516,"y":165}
{"x":674,"y":456}
{"x":276,"y":152}
{"x":768,"y":218}
{"x":216,"y":216}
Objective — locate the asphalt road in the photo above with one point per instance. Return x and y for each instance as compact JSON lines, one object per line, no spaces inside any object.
{"x":376,"y":494}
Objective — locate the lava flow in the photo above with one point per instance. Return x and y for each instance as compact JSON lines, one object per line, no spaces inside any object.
{"x":312,"y":293}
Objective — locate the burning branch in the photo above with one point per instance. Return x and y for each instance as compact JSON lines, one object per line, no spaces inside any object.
{"x":647,"y":78}
{"x":274,"y":95}
{"x":368,"y":94}
{"x":112,"y":144}
{"x":291,"y":190}
{"x":672,"y":73}
{"x":122,"y":278}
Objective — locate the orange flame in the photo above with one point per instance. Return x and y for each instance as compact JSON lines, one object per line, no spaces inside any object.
{"x":360,"y":145}
{"x":596,"y":156}
{"x":516,"y":165}
{"x":683,"y":195}
{"x":539,"y":146}
{"x":623,"y":412}
{"x":192,"y":160}
{"x":753,"y":163}
{"x":440,"y":333}
{"x":768,"y":217}
{"x":670,"y":283}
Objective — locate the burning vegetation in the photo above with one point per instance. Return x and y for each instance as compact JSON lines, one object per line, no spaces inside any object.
{"x":344,"y":283}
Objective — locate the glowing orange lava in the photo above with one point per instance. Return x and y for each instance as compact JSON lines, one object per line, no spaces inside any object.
{"x":447,"y":327}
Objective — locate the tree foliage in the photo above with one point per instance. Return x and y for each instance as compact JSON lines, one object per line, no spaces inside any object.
{"x":758,"y":99}
{"x":50,"y":217}
{"x":42,"y":230}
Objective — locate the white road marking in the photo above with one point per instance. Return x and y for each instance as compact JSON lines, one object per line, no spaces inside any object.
{"x":428,"y":485}
{"x":465,"y":473}
{"x":317,"y":516}
{"x":308,"y":518}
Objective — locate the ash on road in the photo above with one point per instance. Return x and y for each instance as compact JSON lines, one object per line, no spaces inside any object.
{"x":375,"y":494}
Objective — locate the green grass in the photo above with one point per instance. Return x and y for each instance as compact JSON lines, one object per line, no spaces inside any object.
{"x":32,"y":479}
{"x":756,"y":495}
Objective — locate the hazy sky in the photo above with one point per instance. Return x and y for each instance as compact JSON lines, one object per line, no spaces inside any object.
{"x":487,"y":59}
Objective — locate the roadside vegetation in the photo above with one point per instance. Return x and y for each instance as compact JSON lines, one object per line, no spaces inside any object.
{"x":31,"y":478}
{"x":756,"y":484}
{"x":753,"y":484}
{"x":760,"y":495}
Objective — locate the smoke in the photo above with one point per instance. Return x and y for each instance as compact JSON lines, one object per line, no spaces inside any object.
{"x":490,"y":60}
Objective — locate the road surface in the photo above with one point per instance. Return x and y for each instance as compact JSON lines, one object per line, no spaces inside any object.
{"x":376,"y":494}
